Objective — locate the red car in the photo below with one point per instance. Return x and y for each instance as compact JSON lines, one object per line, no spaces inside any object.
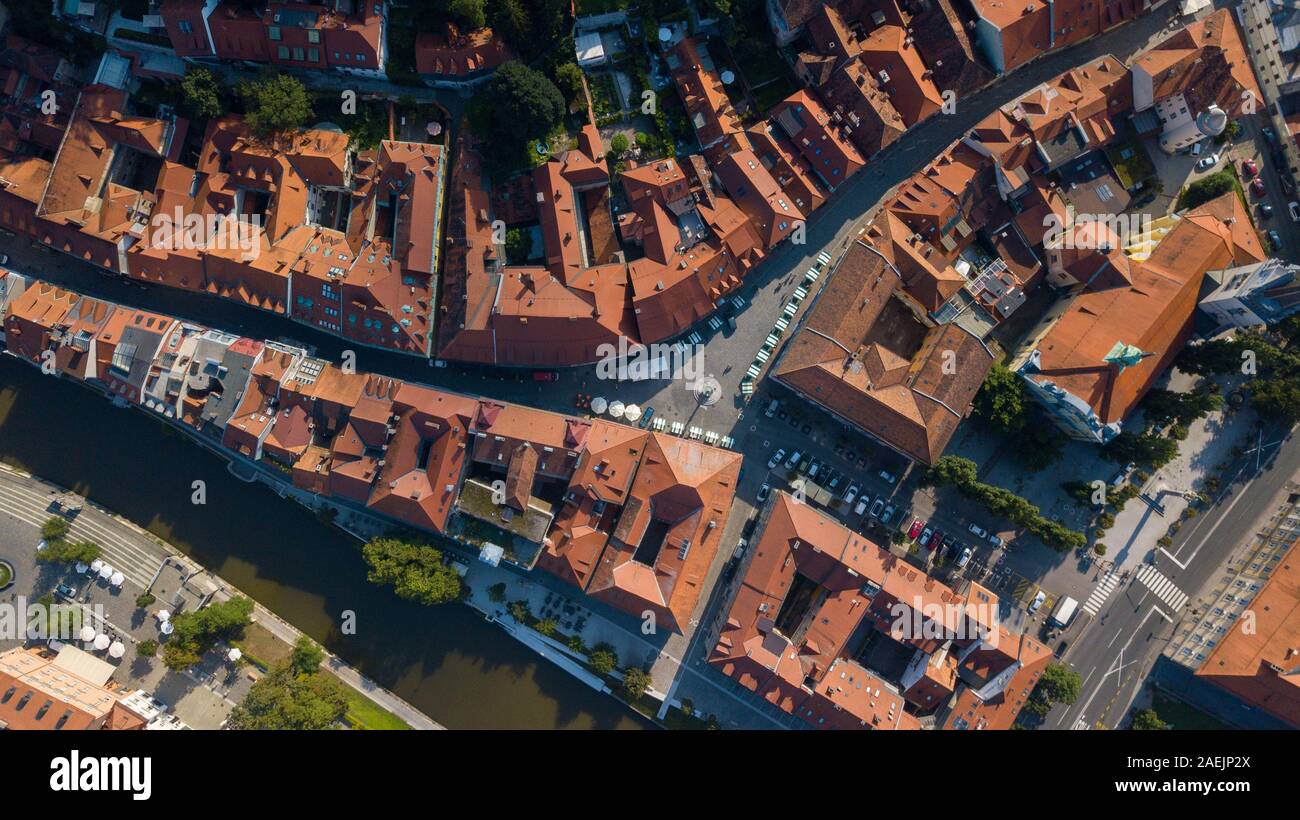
{"x":1248,"y":168}
{"x":935,"y":540}
{"x":546,"y":376}
{"x":915,"y":529}
{"x":1257,"y":185}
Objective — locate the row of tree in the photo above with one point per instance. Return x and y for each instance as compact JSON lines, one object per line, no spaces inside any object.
{"x":1273,"y":367}
{"x":962,"y":475}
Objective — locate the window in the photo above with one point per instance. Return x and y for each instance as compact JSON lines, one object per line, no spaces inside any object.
{"x":283,"y":52}
{"x":185,"y":27}
{"x":313,"y":55}
{"x":274,"y":33}
{"x":361,"y":58}
{"x":298,"y":54}
{"x":313,"y":35}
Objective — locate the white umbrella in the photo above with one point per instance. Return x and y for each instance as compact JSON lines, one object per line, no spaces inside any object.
{"x":87,"y":634}
{"x":101,"y":642}
{"x":117,"y":650}
{"x":598,"y":405}
{"x":106,"y":572}
{"x":82,"y":566}
{"x":234,"y":655}
{"x":632,"y":413}
{"x":117,"y":579}
{"x":96,"y":565}
{"x":616,"y":408}
{"x":163,"y":614}
{"x":166,"y":628}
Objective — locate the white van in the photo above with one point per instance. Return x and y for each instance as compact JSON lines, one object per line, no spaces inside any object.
{"x":1065,"y":612}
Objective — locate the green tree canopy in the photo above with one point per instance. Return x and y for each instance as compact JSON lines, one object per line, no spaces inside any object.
{"x":416,"y":571}
{"x":283,"y":699}
{"x":636,"y":681}
{"x":56,"y":526}
{"x":619,"y":143}
{"x":202,"y":94}
{"x":1059,"y":684}
{"x":1002,"y":400}
{"x":1147,"y":720}
{"x":59,"y":551}
{"x":603,"y":659}
{"x":521,"y":104}
{"x":470,"y":14}
{"x":198,"y":631}
{"x":275,"y":103}
{"x":568,"y":78}
{"x":1207,"y":188}
{"x":307,"y":656}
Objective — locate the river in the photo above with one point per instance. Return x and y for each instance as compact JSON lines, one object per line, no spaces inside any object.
{"x":447,"y":661}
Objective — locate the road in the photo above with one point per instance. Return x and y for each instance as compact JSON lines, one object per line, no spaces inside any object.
{"x":1133,"y":625}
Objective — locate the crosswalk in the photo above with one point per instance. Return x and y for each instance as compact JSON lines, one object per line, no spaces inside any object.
{"x":1101,"y":592}
{"x":1164,"y":589}
{"x":32,"y":507}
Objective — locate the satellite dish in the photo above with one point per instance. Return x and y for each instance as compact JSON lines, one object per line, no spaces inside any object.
{"x":665,"y":34}
{"x":728,"y":77}
{"x":434,"y":128}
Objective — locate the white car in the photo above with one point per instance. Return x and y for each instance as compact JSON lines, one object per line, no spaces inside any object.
{"x":771,"y":408}
{"x":862,"y":505}
{"x":977,"y":530}
{"x":877,"y":508}
{"x":851,"y":493}
{"x":776,"y":459}
{"x":1037,"y":602}
{"x":996,"y":541}
{"x":763,"y":492}
{"x":1207,"y":162}
{"x":888,"y":476}
{"x":793,"y":460}
{"x":1294,"y":208}
{"x":964,"y":557}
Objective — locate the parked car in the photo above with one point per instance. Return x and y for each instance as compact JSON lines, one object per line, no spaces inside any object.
{"x":936,"y":540}
{"x":773,"y":407}
{"x":996,"y":541}
{"x":814,"y":469}
{"x":1248,"y":168}
{"x":888,"y":476}
{"x":546,"y":376}
{"x":924,"y":540}
{"x":645,"y":418}
{"x":877,"y":507}
{"x":1265,"y":210}
{"x":964,"y":558}
{"x":887,"y":515}
{"x":835,"y":480}
{"x":4,"y":259}
{"x":66,"y":591}
{"x":1294,"y":208}
{"x":763,"y":492}
{"x":850,"y":494}
{"x":805,"y":465}
{"x":977,"y":530}
{"x":861,"y":509}
{"x":775,"y":459}
{"x":1037,"y":602}
{"x":1257,"y":186}
{"x":1198,"y":148}
{"x":792,"y":460}
{"x":1207,"y":162}
{"x":915,"y":529}
{"x":1275,"y":239}
{"x":740,"y":548}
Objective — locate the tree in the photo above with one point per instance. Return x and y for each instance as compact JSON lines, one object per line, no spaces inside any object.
{"x":521,"y":104}
{"x":619,"y":143}
{"x":68,"y":552}
{"x":519,"y":611}
{"x":307,"y":656}
{"x":1143,"y":448}
{"x":603,"y":659}
{"x":55,"y":527}
{"x":202,"y":94}
{"x":519,"y":246}
{"x":1002,"y":400}
{"x":1165,"y":406}
{"x":568,"y":78}
{"x":546,"y":626}
{"x":469,"y":13}
{"x":146,"y":648}
{"x":1059,"y":684}
{"x":283,"y":699}
{"x":1206,"y":189}
{"x":197,"y":632}
{"x":510,"y":21}
{"x":145,"y":599}
{"x":416,"y":571}
{"x":1147,"y":721}
{"x":497,"y":592}
{"x":275,"y":103}
{"x":635,"y":683}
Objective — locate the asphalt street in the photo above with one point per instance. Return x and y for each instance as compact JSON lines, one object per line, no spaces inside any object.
{"x":1116,"y":650}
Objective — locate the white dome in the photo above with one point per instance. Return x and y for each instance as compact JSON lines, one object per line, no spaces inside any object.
{"x":1213,"y":121}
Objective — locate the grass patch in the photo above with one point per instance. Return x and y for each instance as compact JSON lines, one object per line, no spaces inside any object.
{"x":261,"y":644}
{"x":364,"y":713}
{"x":1180,"y":715}
{"x":1131,"y":162}
{"x":6,"y":575}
